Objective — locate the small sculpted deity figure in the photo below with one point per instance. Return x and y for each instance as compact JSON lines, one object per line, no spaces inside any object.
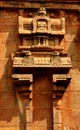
{"x":42,"y":24}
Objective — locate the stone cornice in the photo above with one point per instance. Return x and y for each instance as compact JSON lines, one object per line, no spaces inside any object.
{"x":35,"y":5}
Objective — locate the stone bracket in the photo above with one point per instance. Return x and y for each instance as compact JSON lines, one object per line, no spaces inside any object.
{"x":23,"y":83}
{"x":61,"y":79}
{"x":60,"y":82}
{"x":21,"y":77}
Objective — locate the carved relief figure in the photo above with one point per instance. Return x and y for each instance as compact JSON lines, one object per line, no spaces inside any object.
{"x":42,"y":24}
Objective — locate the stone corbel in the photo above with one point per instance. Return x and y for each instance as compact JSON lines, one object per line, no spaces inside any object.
{"x":61,"y":79}
{"x":26,"y":91}
{"x":28,"y":78}
{"x":60,"y":82}
{"x":23,"y":84}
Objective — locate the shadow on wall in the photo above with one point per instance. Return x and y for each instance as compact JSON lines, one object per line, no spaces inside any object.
{"x":71,"y":96}
{"x":9,"y":108}
{"x":74,"y":52}
{"x":73,"y":39}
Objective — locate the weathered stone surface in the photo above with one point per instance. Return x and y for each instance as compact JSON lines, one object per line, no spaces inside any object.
{"x":9,"y":128}
{"x":10,"y":118}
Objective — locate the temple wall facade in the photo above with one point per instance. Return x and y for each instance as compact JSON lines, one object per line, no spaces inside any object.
{"x":48,"y":113}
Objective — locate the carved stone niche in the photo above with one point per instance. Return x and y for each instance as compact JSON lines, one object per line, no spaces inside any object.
{"x":42,"y":24}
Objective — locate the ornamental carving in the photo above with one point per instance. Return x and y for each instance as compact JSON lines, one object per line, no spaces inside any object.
{"x":41,"y":51}
{"x":41,"y":38}
{"x":42,"y":23}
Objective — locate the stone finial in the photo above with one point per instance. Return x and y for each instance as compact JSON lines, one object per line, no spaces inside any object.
{"x":20,"y":12}
{"x":42,"y":11}
{"x":62,"y":13}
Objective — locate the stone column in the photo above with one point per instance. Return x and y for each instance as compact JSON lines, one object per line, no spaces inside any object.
{"x":35,"y":40}
{"x":63,"y":24}
{"x":57,"y":111}
{"x":47,"y":42}
{"x":20,"y":20}
{"x":62,"y":14}
{"x":56,"y":41}
{"x":24,"y":94}
{"x":39,"y":41}
{"x":44,"y":41}
{"x":29,"y":110}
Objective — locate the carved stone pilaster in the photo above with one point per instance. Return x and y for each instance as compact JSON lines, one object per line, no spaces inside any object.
{"x":57,"y":110}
